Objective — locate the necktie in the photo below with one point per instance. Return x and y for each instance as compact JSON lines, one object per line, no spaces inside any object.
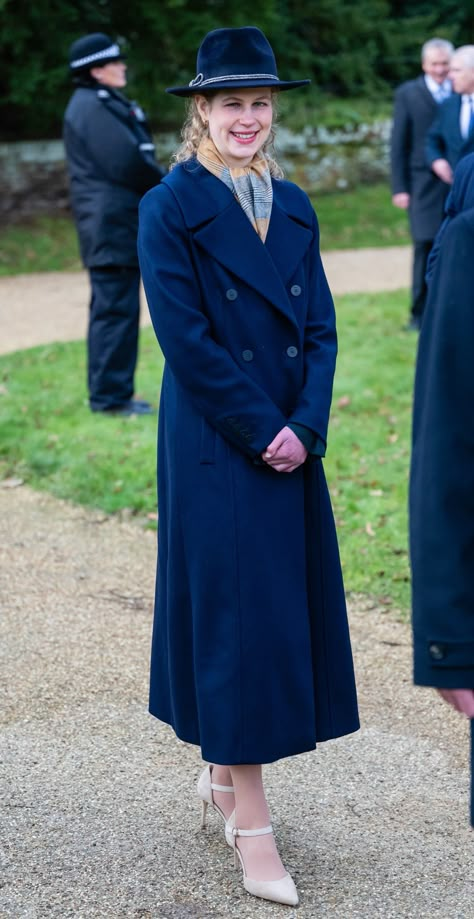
{"x":440,"y":95}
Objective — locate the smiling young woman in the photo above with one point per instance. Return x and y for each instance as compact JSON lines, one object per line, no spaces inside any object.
{"x":251,"y":656}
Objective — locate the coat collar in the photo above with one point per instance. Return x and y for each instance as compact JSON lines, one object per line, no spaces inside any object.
{"x":208,"y":206}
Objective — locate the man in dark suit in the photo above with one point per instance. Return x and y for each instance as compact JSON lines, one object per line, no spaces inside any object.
{"x":442,"y":478}
{"x":452,"y":133}
{"x":414,"y":187}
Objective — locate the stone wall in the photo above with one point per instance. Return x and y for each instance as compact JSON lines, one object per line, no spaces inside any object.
{"x":33,"y":176}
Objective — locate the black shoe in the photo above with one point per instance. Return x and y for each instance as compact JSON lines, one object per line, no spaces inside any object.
{"x":132,"y":407}
{"x":414,"y":325}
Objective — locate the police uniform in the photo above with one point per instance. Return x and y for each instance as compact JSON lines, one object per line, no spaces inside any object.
{"x":111,"y":164}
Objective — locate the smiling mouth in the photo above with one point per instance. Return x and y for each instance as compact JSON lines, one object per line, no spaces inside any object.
{"x":246,"y":137}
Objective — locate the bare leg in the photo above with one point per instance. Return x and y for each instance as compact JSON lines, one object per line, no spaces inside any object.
{"x":259,"y":853}
{"x":220,"y":775}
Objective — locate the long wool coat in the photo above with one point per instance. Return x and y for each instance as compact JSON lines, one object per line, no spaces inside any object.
{"x":251,"y":655}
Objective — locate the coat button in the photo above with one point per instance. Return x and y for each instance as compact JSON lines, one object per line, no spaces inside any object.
{"x":295,"y":290}
{"x":231,"y":294}
{"x":247,"y":355}
{"x":437,"y":652}
{"x":292,"y":351}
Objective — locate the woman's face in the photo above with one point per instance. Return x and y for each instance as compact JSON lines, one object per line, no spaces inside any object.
{"x":113,"y":74}
{"x":239,"y":122}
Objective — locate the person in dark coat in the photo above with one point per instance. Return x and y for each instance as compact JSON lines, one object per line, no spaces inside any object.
{"x":414,"y":186}
{"x":111,"y":163}
{"x":442,"y":476}
{"x":251,"y":656}
{"x":451,"y":135}
{"x":460,"y":198}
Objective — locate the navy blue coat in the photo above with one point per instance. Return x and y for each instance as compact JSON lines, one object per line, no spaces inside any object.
{"x":442,"y":473}
{"x":251,"y":655}
{"x":442,"y":470}
{"x":445,"y":140}
{"x":111,"y":164}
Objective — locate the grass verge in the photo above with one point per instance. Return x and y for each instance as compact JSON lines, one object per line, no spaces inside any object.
{"x":52,"y":441}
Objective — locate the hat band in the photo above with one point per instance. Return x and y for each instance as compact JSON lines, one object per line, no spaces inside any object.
{"x":111,"y":51}
{"x":200,"y":81}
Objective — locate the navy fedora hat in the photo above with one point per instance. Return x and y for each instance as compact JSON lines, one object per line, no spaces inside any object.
{"x":232,"y":58}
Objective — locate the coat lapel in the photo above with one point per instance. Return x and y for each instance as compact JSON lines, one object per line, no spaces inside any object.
{"x":210,"y":210}
{"x":287,"y":240}
{"x":425,"y":95}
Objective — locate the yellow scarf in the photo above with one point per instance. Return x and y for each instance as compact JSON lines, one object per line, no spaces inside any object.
{"x":251,"y":185}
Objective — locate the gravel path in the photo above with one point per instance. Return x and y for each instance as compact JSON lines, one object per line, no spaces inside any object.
{"x":98,"y":816}
{"x":98,"y":813}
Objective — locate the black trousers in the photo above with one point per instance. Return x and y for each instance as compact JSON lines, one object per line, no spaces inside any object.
{"x":112,"y":337}
{"x":421,"y":251}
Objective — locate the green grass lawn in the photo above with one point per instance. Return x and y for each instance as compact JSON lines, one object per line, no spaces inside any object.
{"x":39,"y":244}
{"x":349,"y":219}
{"x":360,"y":218}
{"x":53,"y":442}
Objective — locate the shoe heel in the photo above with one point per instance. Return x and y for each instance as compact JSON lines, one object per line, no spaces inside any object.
{"x":205,"y":805}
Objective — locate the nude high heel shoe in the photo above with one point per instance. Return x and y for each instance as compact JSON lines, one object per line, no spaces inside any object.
{"x":282,"y":890}
{"x":205,"y":787}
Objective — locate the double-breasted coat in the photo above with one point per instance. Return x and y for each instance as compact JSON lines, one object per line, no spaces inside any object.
{"x":251,"y":655}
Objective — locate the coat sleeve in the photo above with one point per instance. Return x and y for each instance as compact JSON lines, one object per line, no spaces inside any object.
{"x":229,"y":399}
{"x":320,"y":348}
{"x":442,"y":471}
{"x":435,"y":148}
{"x":400,"y":144}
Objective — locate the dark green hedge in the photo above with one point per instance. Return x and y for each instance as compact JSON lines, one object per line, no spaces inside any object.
{"x":349,"y":48}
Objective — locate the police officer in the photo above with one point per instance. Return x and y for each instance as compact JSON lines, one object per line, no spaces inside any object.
{"x":111,"y":164}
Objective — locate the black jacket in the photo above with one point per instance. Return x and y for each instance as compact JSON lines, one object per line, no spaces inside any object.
{"x":111,"y":164}
{"x":413,"y":115}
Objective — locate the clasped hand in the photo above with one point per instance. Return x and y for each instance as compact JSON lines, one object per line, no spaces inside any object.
{"x":286,"y":452}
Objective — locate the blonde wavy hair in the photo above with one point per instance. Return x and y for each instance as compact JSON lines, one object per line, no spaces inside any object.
{"x":194,"y":130}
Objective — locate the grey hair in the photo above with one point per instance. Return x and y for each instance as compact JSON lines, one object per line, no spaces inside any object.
{"x":194,"y":130}
{"x":441,"y":44}
{"x":466,"y":53}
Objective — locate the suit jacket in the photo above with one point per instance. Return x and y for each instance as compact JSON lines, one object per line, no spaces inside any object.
{"x":251,"y":656}
{"x":445,"y":140}
{"x":413,"y":115}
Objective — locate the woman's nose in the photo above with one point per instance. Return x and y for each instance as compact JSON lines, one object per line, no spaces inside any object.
{"x":247,"y":116}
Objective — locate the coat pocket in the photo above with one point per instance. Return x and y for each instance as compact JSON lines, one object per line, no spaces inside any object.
{"x":207,"y":451}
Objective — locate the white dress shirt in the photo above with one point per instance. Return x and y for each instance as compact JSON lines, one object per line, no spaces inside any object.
{"x":439,"y":91}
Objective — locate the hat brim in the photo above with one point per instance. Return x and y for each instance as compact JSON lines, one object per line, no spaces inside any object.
{"x":235,"y":84}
